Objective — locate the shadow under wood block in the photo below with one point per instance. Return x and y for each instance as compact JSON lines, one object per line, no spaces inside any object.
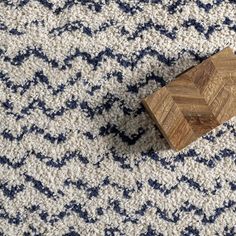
{"x":197,"y":101}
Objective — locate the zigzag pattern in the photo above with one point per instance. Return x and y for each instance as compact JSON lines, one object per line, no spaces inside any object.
{"x":78,"y":25}
{"x":124,"y":6}
{"x":126,"y":34}
{"x":108,"y":101}
{"x":122,"y":160}
{"x":171,"y":34}
{"x":38,"y":78}
{"x":114,"y":205}
{"x":78,"y":153}
{"x":6,"y":134}
{"x":95,"y":61}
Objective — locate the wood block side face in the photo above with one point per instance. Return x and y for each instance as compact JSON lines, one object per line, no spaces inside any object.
{"x":169,"y":119}
{"x":181,"y":133}
{"x":159,"y":104}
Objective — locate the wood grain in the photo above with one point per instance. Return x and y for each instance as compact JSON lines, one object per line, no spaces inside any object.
{"x":197,"y":101}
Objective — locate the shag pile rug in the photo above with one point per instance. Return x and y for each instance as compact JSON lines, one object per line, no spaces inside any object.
{"x":78,"y":153}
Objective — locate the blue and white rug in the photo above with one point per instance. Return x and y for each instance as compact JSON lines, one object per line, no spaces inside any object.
{"x":78,"y":153}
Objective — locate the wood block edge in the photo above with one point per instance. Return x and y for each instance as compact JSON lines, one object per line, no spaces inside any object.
{"x":150,"y":113}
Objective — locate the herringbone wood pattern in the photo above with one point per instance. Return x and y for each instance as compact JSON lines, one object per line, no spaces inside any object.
{"x":197,"y":101}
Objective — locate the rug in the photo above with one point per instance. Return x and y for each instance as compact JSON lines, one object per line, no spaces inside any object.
{"x":78,"y":153}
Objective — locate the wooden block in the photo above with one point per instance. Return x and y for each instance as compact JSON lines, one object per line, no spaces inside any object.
{"x":197,"y":101}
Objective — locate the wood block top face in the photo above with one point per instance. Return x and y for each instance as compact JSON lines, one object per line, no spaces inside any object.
{"x":197,"y":101}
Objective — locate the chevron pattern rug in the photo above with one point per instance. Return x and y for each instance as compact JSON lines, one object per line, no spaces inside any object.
{"x":78,"y":153}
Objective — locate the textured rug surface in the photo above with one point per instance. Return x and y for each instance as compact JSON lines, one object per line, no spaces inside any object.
{"x":78,"y":153}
